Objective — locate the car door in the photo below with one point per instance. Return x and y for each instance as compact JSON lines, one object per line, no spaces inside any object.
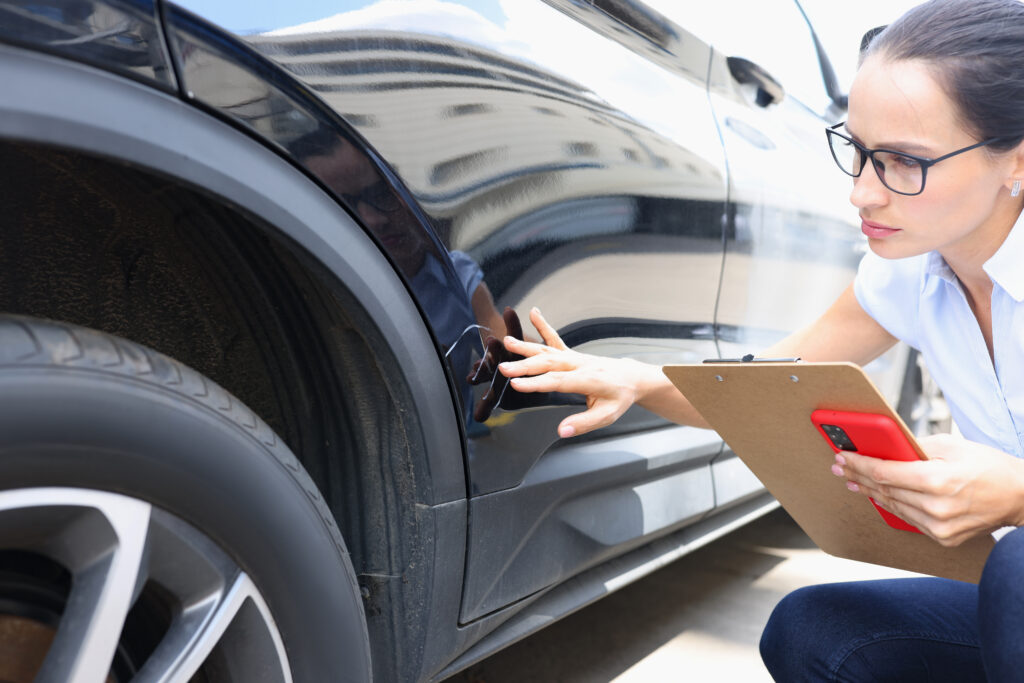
{"x":793,"y":242}
{"x":791,"y":223}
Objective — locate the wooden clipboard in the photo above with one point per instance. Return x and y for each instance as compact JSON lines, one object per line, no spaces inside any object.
{"x":762,"y":411}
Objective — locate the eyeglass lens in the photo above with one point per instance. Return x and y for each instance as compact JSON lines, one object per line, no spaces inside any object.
{"x":378,"y":196}
{"x":898,"y":172}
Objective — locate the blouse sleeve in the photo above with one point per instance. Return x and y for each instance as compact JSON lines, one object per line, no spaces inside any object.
{"x":889,"y":291}
{"x":468,"y":271}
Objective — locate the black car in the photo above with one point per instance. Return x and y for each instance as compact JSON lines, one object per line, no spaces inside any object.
{"x":253,"y":282}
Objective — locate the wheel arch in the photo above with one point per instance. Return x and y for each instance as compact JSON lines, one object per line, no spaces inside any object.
{"x":60,"y":105}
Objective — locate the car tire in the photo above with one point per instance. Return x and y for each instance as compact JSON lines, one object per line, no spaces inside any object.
{"x":139,"y":498}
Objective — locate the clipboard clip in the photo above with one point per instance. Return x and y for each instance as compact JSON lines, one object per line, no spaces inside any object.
{"x":749,"y":358}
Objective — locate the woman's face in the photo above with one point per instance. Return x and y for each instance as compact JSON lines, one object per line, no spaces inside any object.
{"x":899,"y":105}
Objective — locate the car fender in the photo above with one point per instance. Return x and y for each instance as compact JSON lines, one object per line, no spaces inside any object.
{"x":56,"y":102}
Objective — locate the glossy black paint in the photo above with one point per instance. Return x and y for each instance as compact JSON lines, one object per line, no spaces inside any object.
{"x":222,"y":74}
{"x":417,"y":67}
{"x":539,"y":187}
{"x":523,"y":182}
{"x":121,"y":35}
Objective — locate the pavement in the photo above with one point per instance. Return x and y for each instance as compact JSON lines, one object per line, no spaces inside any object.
{"x":698,"y":619}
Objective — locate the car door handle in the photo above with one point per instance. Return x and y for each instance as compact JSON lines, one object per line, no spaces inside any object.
{"x":747,"y":72}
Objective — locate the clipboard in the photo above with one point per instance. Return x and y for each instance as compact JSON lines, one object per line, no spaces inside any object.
{"x":762,"y":411}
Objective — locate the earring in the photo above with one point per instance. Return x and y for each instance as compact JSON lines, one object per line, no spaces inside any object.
{"x":1015,"y":190}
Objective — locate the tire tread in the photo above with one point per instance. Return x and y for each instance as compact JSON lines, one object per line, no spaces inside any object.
{"x":56,"y":343}
{"x":33,"y":344}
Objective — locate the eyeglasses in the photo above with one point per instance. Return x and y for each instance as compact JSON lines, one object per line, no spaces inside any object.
{"x":378,"y":196}
{"x":902,"y":173}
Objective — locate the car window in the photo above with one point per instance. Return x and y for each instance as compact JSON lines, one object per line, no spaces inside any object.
{"x":771,"y":33}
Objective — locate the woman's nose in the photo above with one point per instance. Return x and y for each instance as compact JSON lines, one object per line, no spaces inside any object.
{"x":868,"y":190}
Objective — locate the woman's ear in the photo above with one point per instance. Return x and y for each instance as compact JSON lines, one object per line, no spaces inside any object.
{"x":1015,"y":180}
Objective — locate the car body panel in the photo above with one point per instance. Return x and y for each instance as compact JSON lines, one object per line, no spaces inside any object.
{"x":591,"y":502}
{"x":124,"y":36}
{"x":54,"y":102}
{"x":598,"y":203}
{"x":629,"y":187}
{"x":222,"y":74}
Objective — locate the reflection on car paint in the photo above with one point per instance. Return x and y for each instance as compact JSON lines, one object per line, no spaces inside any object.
{"x":223,"y":76}
{"x":120,"y":35}
{"x":512,"y":165}
{"x":592,"y":187}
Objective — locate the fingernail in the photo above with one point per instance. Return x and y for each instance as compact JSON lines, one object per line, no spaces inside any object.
{"x":566,"y":431}
{"x":837,"y":470}
{"x":510,"y":339}
{"x":840,"y":460}
{"x":853,"y":487}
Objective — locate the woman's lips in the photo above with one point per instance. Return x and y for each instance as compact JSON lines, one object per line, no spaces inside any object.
{"x":876,"y":230}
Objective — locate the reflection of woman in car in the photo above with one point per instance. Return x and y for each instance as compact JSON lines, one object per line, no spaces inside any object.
{"x":348,"y":171}
{"x":934,"y":143}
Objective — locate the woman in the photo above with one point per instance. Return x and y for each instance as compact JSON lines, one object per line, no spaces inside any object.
{"x":934,"y":144}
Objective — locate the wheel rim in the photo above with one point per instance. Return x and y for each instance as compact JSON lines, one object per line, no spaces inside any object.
{"x":143,"y":596}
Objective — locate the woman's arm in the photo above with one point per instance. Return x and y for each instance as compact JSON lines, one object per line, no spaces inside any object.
{"x":612,"y":385}
{"x":843,"y":333}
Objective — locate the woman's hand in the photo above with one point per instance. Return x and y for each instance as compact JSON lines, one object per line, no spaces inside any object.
{"x":610,"y":385}
{"x":963,"y":490}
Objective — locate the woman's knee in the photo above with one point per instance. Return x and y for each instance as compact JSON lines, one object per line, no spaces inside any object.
{"x":1004,"y":564}
{"x":1001,"y":589}
{"x":1001,"y":608}
{"x":789,"y":643}
{"x":833,"y":631}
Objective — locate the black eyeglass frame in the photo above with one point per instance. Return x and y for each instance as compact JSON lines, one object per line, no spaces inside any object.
{"x":866,"y":154}
{"x":379,"y":196}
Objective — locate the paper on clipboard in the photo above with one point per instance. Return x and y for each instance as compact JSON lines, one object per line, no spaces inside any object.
{"x":762,"y":411}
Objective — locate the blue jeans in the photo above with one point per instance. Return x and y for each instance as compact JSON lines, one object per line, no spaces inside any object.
{"x":906,"y":630}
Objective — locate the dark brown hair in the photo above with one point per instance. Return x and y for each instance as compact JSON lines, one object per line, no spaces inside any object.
{"x":976,"y":51}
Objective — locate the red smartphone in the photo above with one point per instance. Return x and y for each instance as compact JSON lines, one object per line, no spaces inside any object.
{"x":869,"y":434}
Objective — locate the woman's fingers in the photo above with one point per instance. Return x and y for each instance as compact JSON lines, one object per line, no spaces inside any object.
{"x":514,"y":342}
{"x":601,"y":414}
{"x":964,"y":489}
{"x":554,"y":367}
{"x":525,"y":348}
{"x":908,"y":490}
{"x":513,"y":328}
{"x":547,"y":333}
{"x":864,"y":469}
{"x":538,"y":362}
{"x":566,"y":382}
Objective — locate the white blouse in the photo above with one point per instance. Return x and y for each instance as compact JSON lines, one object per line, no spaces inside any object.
{"x":920,"y":301}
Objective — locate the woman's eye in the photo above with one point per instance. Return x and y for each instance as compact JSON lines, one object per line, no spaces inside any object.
{"x":907,"y":162}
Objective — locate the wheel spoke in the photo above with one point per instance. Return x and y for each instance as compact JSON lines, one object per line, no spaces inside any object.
{"x":200,"y":627}
{"x":114,"y":548}
{"x":101,"y":539}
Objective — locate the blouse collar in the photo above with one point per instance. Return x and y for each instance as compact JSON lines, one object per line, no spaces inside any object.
{"x":1005,"y":267}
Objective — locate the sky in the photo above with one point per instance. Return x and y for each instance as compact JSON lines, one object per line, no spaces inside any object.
{"x":839,"y":24}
